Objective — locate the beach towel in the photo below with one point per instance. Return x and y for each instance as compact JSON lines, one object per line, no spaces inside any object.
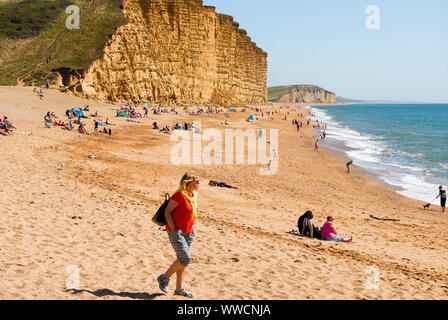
{"x":23,"y":132}
{"x":296,"y":233}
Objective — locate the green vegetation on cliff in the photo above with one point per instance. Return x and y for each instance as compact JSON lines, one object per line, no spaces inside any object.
{"x":34,"y":39}
{"x":275,"y":92}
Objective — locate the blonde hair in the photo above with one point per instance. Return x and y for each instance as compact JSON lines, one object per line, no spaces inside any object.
{"x":188,"y":177}
{"x":329,"y":218}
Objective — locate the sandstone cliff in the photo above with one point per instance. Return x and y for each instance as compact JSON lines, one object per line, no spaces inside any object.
{"x":303,"y":94}
{"x":175,"y":50}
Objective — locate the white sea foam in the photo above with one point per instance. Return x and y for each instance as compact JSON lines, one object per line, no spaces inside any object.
{"x":369,"y":153}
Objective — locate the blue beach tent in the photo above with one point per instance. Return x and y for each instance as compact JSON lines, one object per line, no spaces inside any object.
{"x":252,"y":118}
{"x":77,"y":111}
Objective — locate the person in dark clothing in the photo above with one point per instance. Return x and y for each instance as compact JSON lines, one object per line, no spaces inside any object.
{"x":306,"y":226}
{"x":442,"y":195}
{"x":221,"y":184}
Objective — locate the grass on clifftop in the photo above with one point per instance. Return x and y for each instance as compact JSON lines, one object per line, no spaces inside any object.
{"x":274,"y":92}
{"x":34,"y":38}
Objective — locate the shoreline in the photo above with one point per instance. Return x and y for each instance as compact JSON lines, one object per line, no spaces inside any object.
{"x":381,"y":173}
{"x":340,"y":148}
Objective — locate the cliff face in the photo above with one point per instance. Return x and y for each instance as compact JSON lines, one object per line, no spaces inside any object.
{"x":305,"y":94}
{"x":176,"y":50}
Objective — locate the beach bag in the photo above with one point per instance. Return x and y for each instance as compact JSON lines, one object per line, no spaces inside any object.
{"x":159,"y":217}
{"x":317,"y":233}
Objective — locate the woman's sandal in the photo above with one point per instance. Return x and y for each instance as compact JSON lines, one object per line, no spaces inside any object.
{"x":183,"y":293}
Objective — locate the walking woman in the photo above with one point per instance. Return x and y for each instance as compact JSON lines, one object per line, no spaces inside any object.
{"x":442,"y":195}
{"x":181,"y":214}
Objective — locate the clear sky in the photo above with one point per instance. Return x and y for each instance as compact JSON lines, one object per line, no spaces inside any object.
{"x":327,"y":43}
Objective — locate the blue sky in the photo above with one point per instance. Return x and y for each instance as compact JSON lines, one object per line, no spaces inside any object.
{"x":327,"y":43}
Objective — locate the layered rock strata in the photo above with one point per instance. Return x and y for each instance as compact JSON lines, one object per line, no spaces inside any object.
{"x":180,"y":51}
{"x":305,"y":94}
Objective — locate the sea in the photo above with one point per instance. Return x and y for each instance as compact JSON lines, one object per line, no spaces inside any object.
{"x":404,"y":146}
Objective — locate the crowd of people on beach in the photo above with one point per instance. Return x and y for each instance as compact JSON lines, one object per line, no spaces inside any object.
{"x":178,"y":126}
{"x":75,"y":117}
{"x":39,"y":93}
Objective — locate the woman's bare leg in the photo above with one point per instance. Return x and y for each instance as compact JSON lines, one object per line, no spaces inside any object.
{"x":175,"y":267}
{"x":180,"y":277}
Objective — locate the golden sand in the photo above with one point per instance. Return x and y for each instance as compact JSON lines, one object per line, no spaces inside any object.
{"x":95,"y":215}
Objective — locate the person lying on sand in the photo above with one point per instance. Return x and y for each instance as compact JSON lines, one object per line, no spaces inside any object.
{"x":329,"y":232}
{"x":307,"y":227}
{"x":221,"y":184}
{"x":59,"y":124}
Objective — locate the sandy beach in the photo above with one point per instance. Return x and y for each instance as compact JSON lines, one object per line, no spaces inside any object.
{"x":94,"y":215}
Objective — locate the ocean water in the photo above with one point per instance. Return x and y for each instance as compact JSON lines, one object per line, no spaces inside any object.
{"x":404,"y":146}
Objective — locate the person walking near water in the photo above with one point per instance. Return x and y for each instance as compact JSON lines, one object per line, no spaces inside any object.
{"x":350,"y":163}
{"x":442,"y":195}
{"x":180,"y":215}
{"x":316,"y":145}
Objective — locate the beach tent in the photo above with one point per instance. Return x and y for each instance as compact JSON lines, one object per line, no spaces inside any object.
{"x":252,"y":118}
{"x":77,"y":111}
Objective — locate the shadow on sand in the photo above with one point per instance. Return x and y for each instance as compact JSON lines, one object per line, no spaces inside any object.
{"x":108,"y":292}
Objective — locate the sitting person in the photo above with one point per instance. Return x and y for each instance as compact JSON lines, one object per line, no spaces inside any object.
{"x":306,"y":226}
{"x":220,"y":184}
{"x":69,"y":126}
{"x":166,"y":130}
{"x":82,"y":129}
{"x":7,"y":123}
{"x":155,"y":126}
{"x":329,"y":232}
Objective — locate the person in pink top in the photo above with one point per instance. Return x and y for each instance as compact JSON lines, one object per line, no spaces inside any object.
{"x":329,"y":232}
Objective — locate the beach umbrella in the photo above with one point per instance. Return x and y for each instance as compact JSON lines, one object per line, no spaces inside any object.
{"x":77,"y":111}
